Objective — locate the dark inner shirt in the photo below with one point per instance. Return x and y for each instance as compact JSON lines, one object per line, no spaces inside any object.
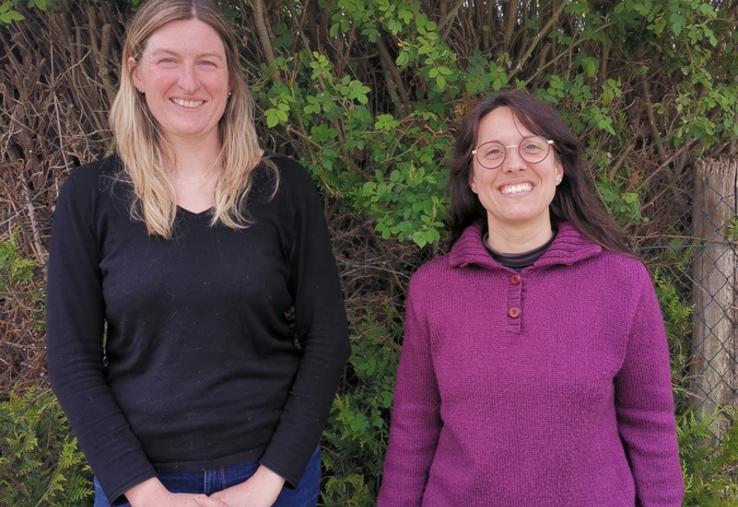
{"x":518,"y":261}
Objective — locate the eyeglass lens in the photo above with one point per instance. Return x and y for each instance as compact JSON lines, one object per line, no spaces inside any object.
{"x":531,"y":149}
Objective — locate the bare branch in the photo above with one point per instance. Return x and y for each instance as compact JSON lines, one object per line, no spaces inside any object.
{"x":547,"y":28}
{"x":263,"y":33}
{"x":394,"y":73}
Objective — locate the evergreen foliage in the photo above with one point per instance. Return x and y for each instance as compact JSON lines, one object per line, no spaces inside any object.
{"x":40,"y":463}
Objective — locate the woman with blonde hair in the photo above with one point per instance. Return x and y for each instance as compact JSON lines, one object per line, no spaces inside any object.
{"x":196,"y":329}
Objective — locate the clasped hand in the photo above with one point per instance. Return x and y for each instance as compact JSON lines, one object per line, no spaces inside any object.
{"x":260,"y":490}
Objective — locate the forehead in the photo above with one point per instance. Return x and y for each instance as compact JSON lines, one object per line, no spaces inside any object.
{"x":501,"y":124}
{"x":185,"y":36}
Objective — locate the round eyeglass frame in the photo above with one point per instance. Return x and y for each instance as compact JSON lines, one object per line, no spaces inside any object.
{"x":549,"y":143}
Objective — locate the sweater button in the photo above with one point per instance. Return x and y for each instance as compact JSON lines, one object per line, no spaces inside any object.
{"x":513,"y":312}
{"x":515,"y":279}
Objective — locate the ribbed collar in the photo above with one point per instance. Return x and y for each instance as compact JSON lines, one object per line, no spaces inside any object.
{"x":567,"y":248}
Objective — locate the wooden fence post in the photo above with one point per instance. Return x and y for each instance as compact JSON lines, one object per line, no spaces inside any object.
{"x":714,"y":345}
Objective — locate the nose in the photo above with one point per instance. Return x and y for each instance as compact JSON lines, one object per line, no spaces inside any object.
{"x":513,"y":161}
{"x":188,"y":78}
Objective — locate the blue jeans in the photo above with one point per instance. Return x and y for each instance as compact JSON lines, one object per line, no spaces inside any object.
{"x":217,"y":479}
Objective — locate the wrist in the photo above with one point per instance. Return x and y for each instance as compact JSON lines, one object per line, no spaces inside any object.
{"x":270,"y":477}
{"x":145,"y":492}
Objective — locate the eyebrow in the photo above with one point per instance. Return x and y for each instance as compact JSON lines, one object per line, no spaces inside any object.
{"x":495,"y":140}
{"x":522,"y":136}
{"x":170,"y":52}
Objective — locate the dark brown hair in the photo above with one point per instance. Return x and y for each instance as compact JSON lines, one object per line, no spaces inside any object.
{"x":576,"y":200}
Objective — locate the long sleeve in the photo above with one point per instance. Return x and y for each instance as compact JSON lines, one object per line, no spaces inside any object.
{"x":645,"y":407}
{"x":416,"y":421}
{"x":75,"y":330}
{"x":320,"y":325}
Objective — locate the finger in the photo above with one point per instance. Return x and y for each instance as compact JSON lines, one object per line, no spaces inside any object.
{"x":219,"y":498}
{"x":206,"y":501}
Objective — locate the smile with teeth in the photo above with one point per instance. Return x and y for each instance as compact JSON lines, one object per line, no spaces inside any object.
{"x":517,"y":188}
{"x":191,"y":104}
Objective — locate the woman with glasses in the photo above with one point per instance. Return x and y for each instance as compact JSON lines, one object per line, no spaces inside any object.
{"x":535,"y":367}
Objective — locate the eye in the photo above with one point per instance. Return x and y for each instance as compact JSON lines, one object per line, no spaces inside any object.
{"x":167,"y":60}
{"x":493,"y":151}
{"x":207,"y":63}
{"x":534,"y":145}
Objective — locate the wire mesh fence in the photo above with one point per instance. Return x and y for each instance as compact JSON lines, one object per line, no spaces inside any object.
{"x":694,"y":259}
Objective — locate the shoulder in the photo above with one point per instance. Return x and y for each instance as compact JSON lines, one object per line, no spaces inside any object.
{"x":623,"y":268}
{"x":431,"y":270}
{"x":432,"y":277}
{"x":110,"y":166}
{"x":88,"y":180}
{"x":283,"y":174}
{"x":295,"y":189}
{"x":583,"y":257}
{"x":292,"y":175}
{"x":619,"y":282}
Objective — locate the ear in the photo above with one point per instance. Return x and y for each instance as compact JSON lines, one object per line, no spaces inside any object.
{"x":133,"y":71}
{"x":472,"y":181}
{"x":559,"y":171}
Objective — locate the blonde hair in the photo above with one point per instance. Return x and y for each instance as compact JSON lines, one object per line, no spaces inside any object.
{"x":142,"y":147}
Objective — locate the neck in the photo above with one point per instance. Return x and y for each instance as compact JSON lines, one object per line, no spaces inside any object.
{"x":195,"y":173}
{"x":195,"y":158}
{"x":513,"y":238}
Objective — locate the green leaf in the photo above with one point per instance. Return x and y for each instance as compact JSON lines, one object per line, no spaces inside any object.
{"x":589,"y":65}
{"x":39,"y":4}
{"x":275,"y":116}
{"x":403,"y":59}
{"x":323,"y":133}
{"x":386,"y":122}
{"x":405,"y":15}
{"x":312,"y":106}
{"x":676,"y":24}
{"x":10,"y":16}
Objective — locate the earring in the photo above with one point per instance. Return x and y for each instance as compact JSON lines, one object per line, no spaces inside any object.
{"x":140,"y":91}
{"x":230,"y":93}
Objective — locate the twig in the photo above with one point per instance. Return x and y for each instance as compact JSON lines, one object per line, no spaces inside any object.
{"x":554,"y":19}
{"x":445,"y":24}
{"x":556,"y":58}
{"x":666,"y":162}
{"x":392,"y":92}
{"x":652,"y":121}
{"x":263,"y":34}
{"x":103,"y":69}
{"x":38,"y":246}
{"x":56,"y":108}
{"x":511,"y":16}
{"x":621,"y":159}
{"x":394,"y":73}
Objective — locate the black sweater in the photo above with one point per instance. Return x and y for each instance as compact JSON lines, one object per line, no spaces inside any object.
{"x":182,"y":354}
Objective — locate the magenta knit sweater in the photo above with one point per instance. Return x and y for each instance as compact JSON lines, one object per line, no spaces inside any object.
{"x":546,"y":388}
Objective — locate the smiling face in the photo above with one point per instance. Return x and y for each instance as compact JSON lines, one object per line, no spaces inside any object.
{"x":183,"y":74}
{"x":516,"y":194}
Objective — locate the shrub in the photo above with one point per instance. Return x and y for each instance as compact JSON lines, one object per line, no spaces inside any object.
{"x":710,"y":468}
{"x":356,"y":437}
{"x":40,"y":463}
